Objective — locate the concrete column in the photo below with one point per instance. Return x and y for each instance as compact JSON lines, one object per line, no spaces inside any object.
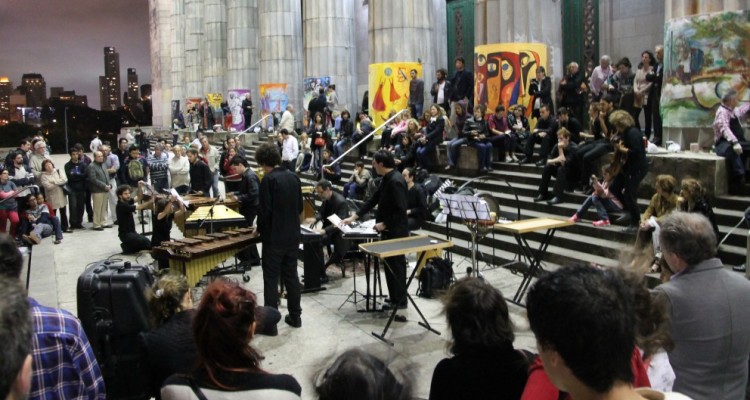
{"x":160,"y":61}
{"x":177,"y":35}
{"x":242,"y":45}
{"x":362,"y":54}
{"x":329,"y":43}
{"x":533,"y":21}
{"x":194,"y":44}
{"x":280,"y":43}
{"x":215,"y":50}
{"x":406,"y":35}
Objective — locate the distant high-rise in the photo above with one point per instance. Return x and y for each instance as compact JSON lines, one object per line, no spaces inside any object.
{"x":55,"y":91}
{"x":67,"y":97}
{"x":35,"y":88}
{"x":109,"y":84}
{"x":6,"y":89}
{"x":133,"y":97}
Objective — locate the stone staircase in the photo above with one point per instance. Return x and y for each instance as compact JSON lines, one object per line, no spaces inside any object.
{"x":582,"y":243}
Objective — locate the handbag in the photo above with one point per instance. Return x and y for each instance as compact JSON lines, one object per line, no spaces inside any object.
{"x":320,"y":142}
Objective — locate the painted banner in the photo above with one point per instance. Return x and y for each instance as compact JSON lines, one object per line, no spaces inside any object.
{"x":273,"y":99}
{"x":235,"y":97}
{"x":503,"y":74}
{"x":704,"y":56}
{"x":311,"y":86}
{"x":389,"y":88}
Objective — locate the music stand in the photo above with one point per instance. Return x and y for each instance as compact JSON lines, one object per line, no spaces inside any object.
{"x":476,"y":216}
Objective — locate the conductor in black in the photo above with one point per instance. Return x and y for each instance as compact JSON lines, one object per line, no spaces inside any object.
{"x":279,"y":207}
{"x":391,"y":221}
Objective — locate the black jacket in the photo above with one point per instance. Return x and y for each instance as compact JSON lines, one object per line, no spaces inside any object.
{"x":463,"y":85}
{"x":335,"y":205}
{"x":571,"y":90}
{"x":471,"y":125}
{"x":416,"y":201}
{"x":447,"y":92}
{"x":201,"y":177}
{"x":543,"y":91}
{"x":77,"y":175}
{"x":390,"y":197}
{"x":435,"y":130}
{"x":279,"y":209}
{"x":248,"y":194}
{"x":573,"y":126}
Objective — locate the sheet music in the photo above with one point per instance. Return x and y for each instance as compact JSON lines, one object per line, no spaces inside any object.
{"x":366,"y":227}
{"x":465,"y":206}
{"x":178,"y":197}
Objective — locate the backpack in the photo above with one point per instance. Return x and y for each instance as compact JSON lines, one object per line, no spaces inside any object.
{"x":435,"y":278}
{"x":135,"y":170}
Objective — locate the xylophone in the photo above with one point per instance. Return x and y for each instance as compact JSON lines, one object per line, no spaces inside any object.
{"x":196,"y":256}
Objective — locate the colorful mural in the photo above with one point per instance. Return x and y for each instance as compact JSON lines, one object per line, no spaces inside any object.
{"x":704,"y":56}
{"x":273,"y":99}
{"x":235,"y":97}
{"x":311,"y":86}
{"x":503,"y":73}
{"x":389,"y":88}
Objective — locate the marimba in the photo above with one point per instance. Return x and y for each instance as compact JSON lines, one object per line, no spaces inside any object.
{"x":211,"y":219}
{"x":197,"y":256}
{"x":197,"y":202}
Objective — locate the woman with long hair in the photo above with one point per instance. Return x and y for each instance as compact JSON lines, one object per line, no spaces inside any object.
{"x":52,"y":181}
{"x":641,"y":90}
{"x":634,"y":166}
{"x":224,"y":327}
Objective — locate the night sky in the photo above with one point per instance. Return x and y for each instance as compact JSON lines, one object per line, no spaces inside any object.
{"x":64,"y":41}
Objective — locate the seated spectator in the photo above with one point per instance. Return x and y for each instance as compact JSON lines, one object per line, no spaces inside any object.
{"x":543,"y":133}
{"x":565,"y":120}
{"x":602,"y":199}
{"x":597,"y":142}
{"x":484,"y":364}
{"x":289,"y":149}
{"x":52,"y":215}
{"x":416,"y":200}
{"x":501,"y":135}
{"x":583,"y":319}
{"x":729,"y":139}
{"x":37,"y":223}
{"x":477,"y":132}
{"x":9,"y":207}
{"x":356,"y":374}
{"x":693,"y":199}
{"x":709,"y":308}
{"x":406,"y":154}
{"x":562,"y":166}
{"x":333,"y":172}
{"x":64,"y":363}
{"x":131,"y":241}
{"x":304,"y":158}
{"x":357,"y":182}
{"x":345,"y":134}
{"x":434,"y":134}
{"x":364,"y":128}
{"x":663,"y":202}
{"x":15,"y":333}
{"x":223,"y":328}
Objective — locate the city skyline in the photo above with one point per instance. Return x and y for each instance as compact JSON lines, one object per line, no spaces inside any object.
{"x":63,"y":42}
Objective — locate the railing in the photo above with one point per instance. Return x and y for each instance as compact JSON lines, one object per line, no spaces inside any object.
{"x":354,"y":145}
{"x":252,"y":126}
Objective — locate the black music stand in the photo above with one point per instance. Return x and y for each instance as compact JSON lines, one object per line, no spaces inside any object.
{"x":476,"y":216}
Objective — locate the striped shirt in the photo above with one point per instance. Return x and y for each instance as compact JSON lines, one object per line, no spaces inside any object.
{"x":721,"y":122}
{"x":64,"y":366}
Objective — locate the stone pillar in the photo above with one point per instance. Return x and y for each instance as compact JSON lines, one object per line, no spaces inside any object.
{"x":160,"y":62}
{"x":280,"y":43}
{"x":215,"y":50}
{"x":177,"y":34}
{"x":242,"y":45}
{"x":362,"y":54}
{"x":534,"y":21}
{"x":330,"y":46}
{"x":194,"y":44}
{"x":407,"y":35}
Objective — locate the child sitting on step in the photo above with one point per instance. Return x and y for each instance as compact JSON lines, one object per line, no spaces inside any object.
{"x":602,"y":199}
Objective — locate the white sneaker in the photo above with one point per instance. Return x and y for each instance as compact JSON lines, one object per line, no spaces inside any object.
{"x":508,"y":159}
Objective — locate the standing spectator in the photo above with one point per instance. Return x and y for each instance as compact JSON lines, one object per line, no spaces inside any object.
{"x":77,"y":174}
{"x":710,"y":312}
{"x":287,"y":119}
{"x":432,"y":137}
{"x":179,"y":171}
{"x":87,"y":161}
{"x":332,"y":102}
{"x":319,"y":137}
{"x":201,"y":177}
{"x":541,"y":89}
{"x":158,"y":169}
{"x":98,"y":183}
{"x":442,"y":90}
{"x":561,"y":165}
{"x":112,"y":165}
{"x":573,"y":93}
{"x":600,"y":76}
{"x":416,"y":94}
{"x":130,"y":240}
{"x":247,"y":110}
{"x":622,"y":83}
{"x":634,"y":166}
{"x":484,"y":364}
{"x":53,"y":182}
{"x":289,"y":149}
{"x":212,"y":157}
{"x":545,"y":133}
{"x":24,"y":148}
{"x":654,"y":97}
{"x":36,"y":159}
{"x":9,"y":207}
{"x":317,"y":105}
{"x":231,"y":178}
{"x":122,"y":153}
{"x":729,"y":138}
{"x":278,"y":225}
{"x":357,"y":182}
{"x":20,"y":174}
{"x":642,"y":88}
{"x":463,"y":83}
{"x":95,"y":144}
{"x":134,"y":169}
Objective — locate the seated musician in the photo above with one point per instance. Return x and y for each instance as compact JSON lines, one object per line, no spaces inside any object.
{"x":247,"y":195}
{"x":165,"y":209}
{"x":131,"y":241}
{"x":416,"y":201}
{"x":333,"y":203}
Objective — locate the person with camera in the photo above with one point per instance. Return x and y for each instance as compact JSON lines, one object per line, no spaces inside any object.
{"x":541,"y":89}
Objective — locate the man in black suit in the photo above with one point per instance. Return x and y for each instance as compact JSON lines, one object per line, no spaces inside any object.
{"x":278,"y":225}
{"x":333,"y":203}
{"x":247,"y":110}
{"x":463,"y":85}
{"x":247,"y":195}
{"x":317,"y":105}
{"x":391,"y":221}
{"x":654,"y":95}
{"x":544,"y":133}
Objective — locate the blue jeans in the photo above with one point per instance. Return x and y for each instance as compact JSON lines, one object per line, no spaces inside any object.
{"x":484,"y":150}
{"x":350,"y":190}
{"x":453,"y":147}
{"x":416,"y":110}
{"x":603,"y":206}
{"x":423,"y":154}
{"x":340,"y":147}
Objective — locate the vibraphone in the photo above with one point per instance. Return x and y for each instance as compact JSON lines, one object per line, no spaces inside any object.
{"x":197,"y":202}
{"x":197,"y":256}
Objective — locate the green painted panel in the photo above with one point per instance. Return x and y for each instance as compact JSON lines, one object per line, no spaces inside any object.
{"x":460,"y":20}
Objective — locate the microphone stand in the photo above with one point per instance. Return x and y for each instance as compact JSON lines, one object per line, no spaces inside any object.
{"x":210,"y":215}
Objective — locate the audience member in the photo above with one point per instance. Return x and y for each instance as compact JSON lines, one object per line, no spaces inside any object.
{"x":544,"y":133}
{"x":23,"y":148}
{"x":600,"y":76}
{"x":484,"y":364}
{"x":729,"y":138}
{"x":541,"y":89}
{"x":223,"y":328}
{"x":604,"y":201}
{"x":9,"y":206}
{"x":694,"y":199}
{"x":112,"y":165}
{"x":573,"y":125}
{"x":442,"y":90}
{"x":572,"y":88}
{"x":654,"y":97}
{"x":289,"y":149}
{"x":501,"y":135}
{"x":37,"y":223}
{"x":600,"y":141}
{"x":356,"y":374}
{"x":345,"y":135}
{"x":358,"y":181}
{"x":622,"y":84}
{"x":211,"y":155}
{"x":52,"y":182}
{"x":710,"y":311}
{"x":19,"y":173}
{"x":629,"y":152}
{"x":562,"y":166}
{"x":64,"y":363}
{"x":433,"y":136}
{"x":76,"y":171}
{"x":330,"y":171}
{"x":36,"y":159}
{"x":663,"y":202}
{"x":642,"y":89}
{"x":158,"y":169}
{"x":416,"y":94}
{"x":179,"y":171}
{"x":98,"y":184}
{"x":15,"y":334}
